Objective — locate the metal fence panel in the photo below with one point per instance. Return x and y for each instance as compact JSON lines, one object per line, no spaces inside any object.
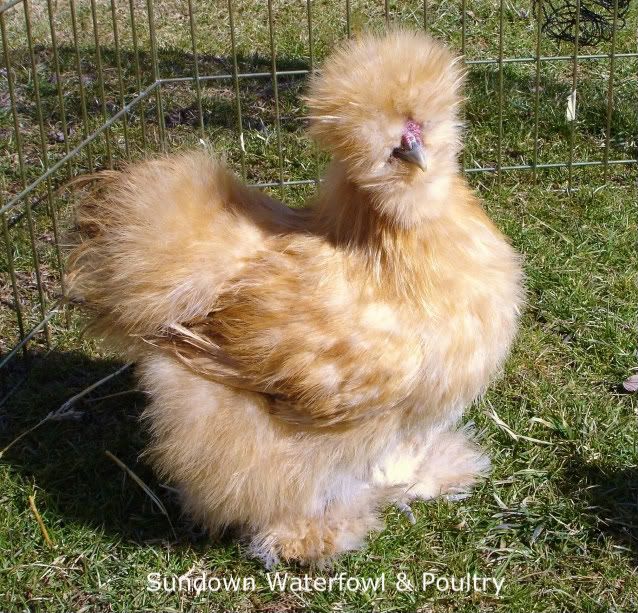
{"x":86,"y":85}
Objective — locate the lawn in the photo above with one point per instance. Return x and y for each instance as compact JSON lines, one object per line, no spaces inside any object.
{"x":556,"y":524}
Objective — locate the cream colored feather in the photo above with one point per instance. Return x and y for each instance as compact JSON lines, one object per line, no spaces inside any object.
{"x":306,"y":368}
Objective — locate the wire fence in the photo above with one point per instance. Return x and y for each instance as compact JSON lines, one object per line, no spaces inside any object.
{"x":86,"y":85}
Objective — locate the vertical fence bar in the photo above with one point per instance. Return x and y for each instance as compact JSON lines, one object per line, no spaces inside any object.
{"x":198,"y":88}
{"x":572,"y":131}
{"x":537,"y":86}
{"x":58,"y":81}
{"x":463,"y":26}
{"x":120,"y":81}
{"x":386,"y":12}
{"x":138,"y":72}
{"x":463,"y":52}
{"x":23,"y":176}
{"x":156,"y":75}
{"x":501,"y":21}
{"x":78,"y":68}
{"x":425,"y":15}
{"x":44,"y":153}
{"x":348,"y":32}
{"x":100,"y":84}
{"x":610,"y":93}
{"x":273,"y":70}
{"x":311,"y":46}
{"x":311,"y":69}
{"x":240,"y":123}
{"x":61,"y":106}
{"x":8,"y":245}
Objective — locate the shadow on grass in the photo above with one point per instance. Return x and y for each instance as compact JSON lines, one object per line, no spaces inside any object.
{"x":172,"y":63}
{"x":65,"y":459}
{"x":258,"y":93}
{"x":519,"y":85}
{"x":609,"y":498}
{"x":180,"y":113}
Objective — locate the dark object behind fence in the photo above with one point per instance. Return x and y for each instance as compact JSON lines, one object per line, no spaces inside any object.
{"x":590,"y":22}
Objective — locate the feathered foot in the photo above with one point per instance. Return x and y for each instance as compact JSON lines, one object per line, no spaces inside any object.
{"x":317,"y":540}
{"x":452,"y":464}
{"x":406,"y":510}
{"x":448,"y":466}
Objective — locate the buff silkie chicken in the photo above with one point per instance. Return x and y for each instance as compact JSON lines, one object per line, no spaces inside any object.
{"x":307,"y":368}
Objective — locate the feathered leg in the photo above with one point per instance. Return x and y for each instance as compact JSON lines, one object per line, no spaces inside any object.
{"x":316,"y":540}
{"x":294,"y":495}
{"x":449,"y":463}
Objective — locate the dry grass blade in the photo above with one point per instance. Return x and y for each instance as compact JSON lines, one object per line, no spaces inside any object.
{"x":65,"y":410}
{"x":23,"y":434}
{"x":38,"y":518}
{"x":147,"y":490}
{"x":503,"y":426}
{"x":114,"y":395}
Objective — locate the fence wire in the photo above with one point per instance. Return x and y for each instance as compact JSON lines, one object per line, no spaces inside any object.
{"x":86,"y":85}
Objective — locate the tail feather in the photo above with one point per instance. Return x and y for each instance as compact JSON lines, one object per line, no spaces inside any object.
{"x":156,"y":241}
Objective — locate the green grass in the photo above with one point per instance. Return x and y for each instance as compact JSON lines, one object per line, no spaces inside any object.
{"x":557,"y":520}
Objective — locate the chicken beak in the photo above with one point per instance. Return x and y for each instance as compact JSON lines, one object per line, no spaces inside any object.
{"x":415,"y":154}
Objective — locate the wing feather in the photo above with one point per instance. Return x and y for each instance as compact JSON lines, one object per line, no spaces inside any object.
{"x":295,"y":331}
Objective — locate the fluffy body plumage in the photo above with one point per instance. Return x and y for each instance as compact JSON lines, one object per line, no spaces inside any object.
{"x":306,"y":368}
